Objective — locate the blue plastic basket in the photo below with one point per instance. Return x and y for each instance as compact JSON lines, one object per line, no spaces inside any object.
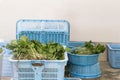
{"x":114,"y":55}
{"x":44,"y":30}
{"x":72,"y":79}
{"x":73,"y":44}
{"x":83,"y":60}
{"x":91,"y":71}
{"x":84,"y":66}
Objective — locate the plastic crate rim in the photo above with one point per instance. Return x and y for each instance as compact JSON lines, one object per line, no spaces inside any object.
{"x":3,"y":52}
{"x":42,"y":20}
{"x":109,"y":46}
{"x":52,"y":61}
{"x":83,"y":55}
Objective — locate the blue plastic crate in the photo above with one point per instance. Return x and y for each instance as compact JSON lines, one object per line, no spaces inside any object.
{"x":44,"y":30}
{"x":84,"y":60}
{"x":4,"y":62}
{"x":91,"y":71}
{"x":49,"y":69}
{"x":6,"y":65}
{"x":114,"y":55}
{"x":1,"y":56}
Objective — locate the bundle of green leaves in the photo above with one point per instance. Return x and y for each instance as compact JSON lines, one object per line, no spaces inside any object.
{"x":33,"y":50}
{"x":89,"y":48}
{"x":1,"y":50}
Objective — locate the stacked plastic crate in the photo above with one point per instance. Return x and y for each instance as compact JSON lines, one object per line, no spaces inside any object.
{"x":43,"y":31}
{"x":5,"y":64}
{"x":1,"y":55}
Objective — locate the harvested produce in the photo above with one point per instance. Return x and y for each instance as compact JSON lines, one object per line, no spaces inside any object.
{"x":89,"y":48}
{"x":1,"y":50}
{"x":33,"y":50}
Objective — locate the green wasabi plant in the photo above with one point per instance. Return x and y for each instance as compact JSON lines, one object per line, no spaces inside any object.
{"x":32,"y":49}
{"x":89,"y":48}
{"x":1,"y":50}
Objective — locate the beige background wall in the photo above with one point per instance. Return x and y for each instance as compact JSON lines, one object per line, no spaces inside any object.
{"x":97,"y":20}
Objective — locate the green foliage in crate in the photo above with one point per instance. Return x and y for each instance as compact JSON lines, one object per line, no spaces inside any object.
{"x":33,"y":50}
{"x":89,"y":48}
{"x":1,"y":50}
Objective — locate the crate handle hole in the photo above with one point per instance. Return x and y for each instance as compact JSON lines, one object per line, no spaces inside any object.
{"x":37,"y":64}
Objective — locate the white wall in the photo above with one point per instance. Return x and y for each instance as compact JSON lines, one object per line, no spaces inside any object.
{"x":97,"y":20}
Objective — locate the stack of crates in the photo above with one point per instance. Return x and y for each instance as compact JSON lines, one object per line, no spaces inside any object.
{"x":4,"y":61}
{"x":43,"y":31}
{"x":83,"y":66}
{"x":6,"y":66}
{"x":1,"y":55}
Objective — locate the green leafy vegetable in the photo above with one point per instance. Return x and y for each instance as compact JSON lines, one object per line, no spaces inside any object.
{"x":32,"y":49}
{"x":89,"y":48}
{"x":54,"y":50}
{"x":1,"y":50}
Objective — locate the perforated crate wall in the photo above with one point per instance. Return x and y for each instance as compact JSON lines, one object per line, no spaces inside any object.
{"x":49,"y":69}
{"x":44,"y":30}
{"x":1,"y":56}
{"x":6,"y":65}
